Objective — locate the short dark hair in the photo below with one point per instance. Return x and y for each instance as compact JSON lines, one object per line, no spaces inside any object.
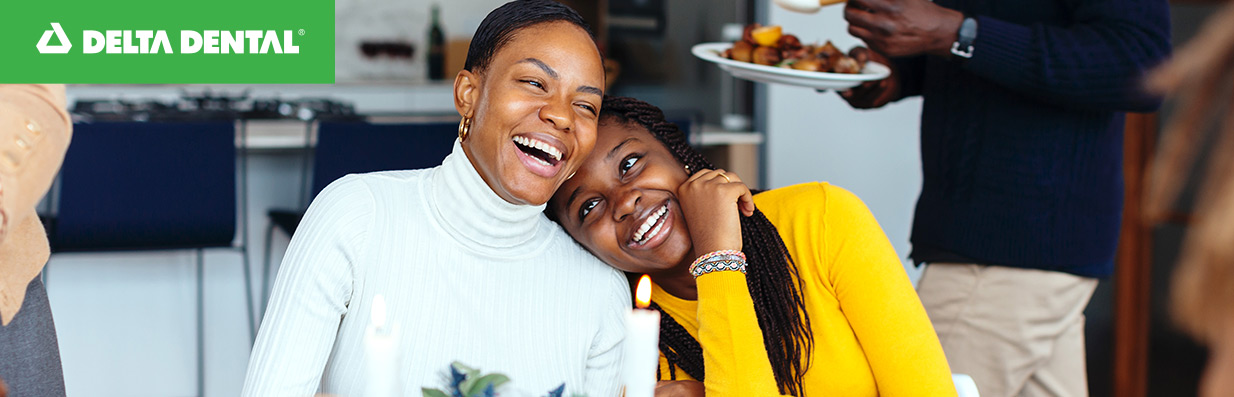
{"x":499,"y":27}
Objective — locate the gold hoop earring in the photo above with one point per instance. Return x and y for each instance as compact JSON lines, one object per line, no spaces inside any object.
{"x":464,"y":128}
{"x":687,"y":168}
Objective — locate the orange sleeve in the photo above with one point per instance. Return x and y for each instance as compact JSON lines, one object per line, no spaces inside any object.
{"x":733,"y":351}
{"x":880,"y":303}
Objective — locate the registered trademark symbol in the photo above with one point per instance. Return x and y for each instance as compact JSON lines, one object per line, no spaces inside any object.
{"x":301,"y":32}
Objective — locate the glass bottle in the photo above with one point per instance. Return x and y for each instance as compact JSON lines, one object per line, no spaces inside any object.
{"x":437,"y":47}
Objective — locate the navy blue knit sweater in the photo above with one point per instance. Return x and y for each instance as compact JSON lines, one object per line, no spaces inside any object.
{"x":1021,"y":146}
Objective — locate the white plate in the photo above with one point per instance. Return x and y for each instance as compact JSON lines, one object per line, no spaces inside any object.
{"x":770,"y":74}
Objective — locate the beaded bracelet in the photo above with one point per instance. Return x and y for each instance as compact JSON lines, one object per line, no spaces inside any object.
{"x":726,"y":260}
{"x":713,"y":254}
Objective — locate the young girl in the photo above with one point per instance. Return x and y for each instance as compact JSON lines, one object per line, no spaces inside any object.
{"x":790,"y":291}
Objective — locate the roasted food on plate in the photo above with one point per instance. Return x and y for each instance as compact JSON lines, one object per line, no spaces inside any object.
{"x":768,"y":45}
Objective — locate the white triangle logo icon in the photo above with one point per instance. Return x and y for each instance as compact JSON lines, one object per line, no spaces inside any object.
{"x":64,"y":46}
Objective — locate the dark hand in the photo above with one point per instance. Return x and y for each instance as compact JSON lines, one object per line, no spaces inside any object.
{"x":874,"y":94}
{"x":899,"y":28}
{"x":679,"y":388}
{"x":712,"y":202}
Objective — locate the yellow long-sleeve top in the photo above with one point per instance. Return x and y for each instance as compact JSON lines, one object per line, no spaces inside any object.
{"x":871,"y":334}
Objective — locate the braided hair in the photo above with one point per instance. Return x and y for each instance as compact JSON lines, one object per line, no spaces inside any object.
{"x":771,"y":277}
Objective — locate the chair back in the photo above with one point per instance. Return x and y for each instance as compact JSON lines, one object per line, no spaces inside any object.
{"x":137,"y":186}
{"x":356,"y":147}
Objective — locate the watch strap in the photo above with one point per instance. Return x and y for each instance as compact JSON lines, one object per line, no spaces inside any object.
{"x":963,"y":46}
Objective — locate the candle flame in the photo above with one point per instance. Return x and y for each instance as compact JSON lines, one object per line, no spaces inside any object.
{"x":642,"y":295}
{"x":379,"y":311}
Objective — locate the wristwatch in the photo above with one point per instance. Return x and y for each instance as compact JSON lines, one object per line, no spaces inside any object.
{"x":963,"y":46}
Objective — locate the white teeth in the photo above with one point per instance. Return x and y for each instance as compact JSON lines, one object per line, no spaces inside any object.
{"x":541,"y":161}
{"x":651,"y":220}
{"x":539,"y":145}
{"x":655,"y":232}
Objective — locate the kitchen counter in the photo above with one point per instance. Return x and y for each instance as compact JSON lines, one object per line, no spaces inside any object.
{"x":368,"y":98}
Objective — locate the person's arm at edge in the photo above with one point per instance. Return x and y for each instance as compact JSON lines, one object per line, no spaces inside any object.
{"x":1096,"y":63}
{"x":35,"y":115}
{"x":35,"y":130}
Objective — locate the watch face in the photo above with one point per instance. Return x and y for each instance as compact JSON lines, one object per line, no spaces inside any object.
{"x":968,"y":31}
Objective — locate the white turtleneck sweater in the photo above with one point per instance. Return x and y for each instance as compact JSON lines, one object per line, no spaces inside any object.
{"x":466,"y":276}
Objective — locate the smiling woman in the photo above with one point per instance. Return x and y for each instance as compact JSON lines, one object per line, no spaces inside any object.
{"x":466,"y":262}
{"x":533,"y":116}
{"x":792,"y":291}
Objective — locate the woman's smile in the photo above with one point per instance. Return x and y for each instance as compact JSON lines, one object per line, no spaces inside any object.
{"x":623,"y":205}
{"x":653,"y":227}
{"x":541,"y":153}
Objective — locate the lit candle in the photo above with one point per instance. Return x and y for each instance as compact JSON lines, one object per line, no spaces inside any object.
{"x":381,"y":354}
{"x":642,"y":344}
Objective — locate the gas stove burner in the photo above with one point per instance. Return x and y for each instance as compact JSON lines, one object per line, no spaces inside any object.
{"x":303,"y":109}
{"x":209,"y":102}
{"x":210,"y":106}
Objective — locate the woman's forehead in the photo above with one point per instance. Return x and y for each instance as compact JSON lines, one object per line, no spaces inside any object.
{"x":613,"y":133}
{"x":556,"y":44}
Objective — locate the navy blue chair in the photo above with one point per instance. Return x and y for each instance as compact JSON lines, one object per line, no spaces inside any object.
{"x":358,"y":147}
{"x":128,"y":186}
{"x":147,"y":186}
{"x":351,"y":148}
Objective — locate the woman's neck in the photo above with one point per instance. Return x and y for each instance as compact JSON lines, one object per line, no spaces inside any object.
{"x":678,"y":281}
{"x":474,"y":214}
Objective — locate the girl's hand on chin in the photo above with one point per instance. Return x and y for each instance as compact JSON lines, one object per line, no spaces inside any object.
{"x":679,"y":388}
{"x":713,"y":202}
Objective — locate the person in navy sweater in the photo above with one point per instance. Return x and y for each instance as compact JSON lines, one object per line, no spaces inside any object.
{"x":1021,"y":151}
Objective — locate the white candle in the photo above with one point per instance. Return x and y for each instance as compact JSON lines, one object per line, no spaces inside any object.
{"x":642,"y":344}
{"x":381,"y":354}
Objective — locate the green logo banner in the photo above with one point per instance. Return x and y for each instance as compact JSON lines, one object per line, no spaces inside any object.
{"x":167,"y":42}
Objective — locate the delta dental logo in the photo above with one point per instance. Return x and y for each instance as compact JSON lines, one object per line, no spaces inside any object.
{"x":158,"y":42}
{"x":96,"y":42}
